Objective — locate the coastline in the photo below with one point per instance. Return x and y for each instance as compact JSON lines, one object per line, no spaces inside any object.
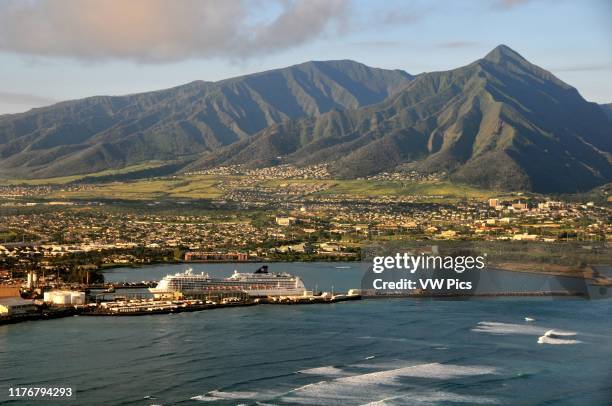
{"x":70,"y":312}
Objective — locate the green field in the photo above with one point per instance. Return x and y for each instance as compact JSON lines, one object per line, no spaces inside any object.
{"x":372,"y":188}
{"x":194,"y":187}
{"x":389,"y":188}
{"x":206,"y":187}
{"x":67,"y":179}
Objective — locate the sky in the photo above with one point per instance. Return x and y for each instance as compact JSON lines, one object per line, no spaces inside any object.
{"x":65,"y":49}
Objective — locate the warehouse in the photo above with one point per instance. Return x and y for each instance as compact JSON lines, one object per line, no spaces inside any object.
{"x":16,"y":307}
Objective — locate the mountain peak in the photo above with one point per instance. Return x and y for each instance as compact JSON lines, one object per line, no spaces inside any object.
{"x":506,"y":59}
{"x":503,"y":53}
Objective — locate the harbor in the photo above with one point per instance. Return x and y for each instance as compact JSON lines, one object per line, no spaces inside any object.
{"x":147,"y":307}
{"x":144,"y":307}
{"x":268,"y":354}
{"x":252,"y":320}
{"x":174,"y":293}
{"x":169,"y":289}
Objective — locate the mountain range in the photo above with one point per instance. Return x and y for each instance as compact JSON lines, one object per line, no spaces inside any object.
{"x":103,"y":132}
{"x":499,"y":122}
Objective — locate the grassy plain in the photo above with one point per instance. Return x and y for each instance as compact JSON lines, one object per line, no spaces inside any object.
{"x":193,"y":187}
{"x":67,"y":179}
{"x":207,"y":187}
{"x":373,"y":188}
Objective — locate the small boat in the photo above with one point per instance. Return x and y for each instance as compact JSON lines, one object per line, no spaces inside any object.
{"x":529,"y":319}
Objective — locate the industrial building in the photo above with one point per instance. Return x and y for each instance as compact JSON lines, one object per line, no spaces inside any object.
{"x":16,"y":306}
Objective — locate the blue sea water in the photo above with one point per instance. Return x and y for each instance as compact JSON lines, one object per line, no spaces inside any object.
{"x":377,"y":352}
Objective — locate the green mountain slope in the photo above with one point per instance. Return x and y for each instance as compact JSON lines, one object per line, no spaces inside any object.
{"x":500,"y":122}
{"x":99,"y":133}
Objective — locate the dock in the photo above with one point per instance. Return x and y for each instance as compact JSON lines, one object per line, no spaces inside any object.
{"x":145,"y":307}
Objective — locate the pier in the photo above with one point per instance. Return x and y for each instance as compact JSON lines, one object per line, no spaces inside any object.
{"x":144,"y":307}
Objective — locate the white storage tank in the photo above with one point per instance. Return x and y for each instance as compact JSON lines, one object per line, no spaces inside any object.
{"x":78,"y":298}
{"x":62,"y":298}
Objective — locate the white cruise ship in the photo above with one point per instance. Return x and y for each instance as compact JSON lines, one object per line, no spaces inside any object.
{"x":260,"y":283}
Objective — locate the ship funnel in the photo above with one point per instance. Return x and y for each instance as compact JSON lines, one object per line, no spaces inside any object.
{"x":263,"y":269}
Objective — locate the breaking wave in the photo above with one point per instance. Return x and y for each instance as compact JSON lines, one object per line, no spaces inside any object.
{"x":434,"y":397}
{"x":374,"y":386}
{"x":216,"y":395}
{"x":324,"y":371}
{"x":556,"y":337}
{"x":493,"y":327}
{"x":556,"y":341}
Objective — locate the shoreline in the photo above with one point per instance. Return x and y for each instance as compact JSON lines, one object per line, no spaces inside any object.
{"x":70,"y":312}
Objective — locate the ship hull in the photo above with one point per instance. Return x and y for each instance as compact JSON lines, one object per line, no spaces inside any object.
{"x":250,"y":292}
{"x":259,"y":284}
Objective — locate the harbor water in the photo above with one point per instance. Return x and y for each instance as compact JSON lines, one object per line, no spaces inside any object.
{"x":390,"y":351}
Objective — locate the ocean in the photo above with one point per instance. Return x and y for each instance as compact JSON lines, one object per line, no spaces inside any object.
{"x":376,"y":352}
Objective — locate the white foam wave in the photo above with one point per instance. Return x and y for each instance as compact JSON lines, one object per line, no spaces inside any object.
{"x":556,"y":341}
{"x":373,"y":386}
{"x":324,"y":371}
{"x":507,"y":328}
{"x":434,"y":397}
{"x":431,"y":370}
{"x":493,"y":327}
{"x":216,"y":395}
{"x":559,"y":333}
{"x":384,"y":365}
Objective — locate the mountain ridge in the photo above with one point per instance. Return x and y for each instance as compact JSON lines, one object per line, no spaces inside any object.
{"x":485,"y":123}
{"x":103,"y":132}
{"x":499,"y":122}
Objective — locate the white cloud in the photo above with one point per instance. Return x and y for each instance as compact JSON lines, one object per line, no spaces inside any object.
{"x":164,"y":30}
